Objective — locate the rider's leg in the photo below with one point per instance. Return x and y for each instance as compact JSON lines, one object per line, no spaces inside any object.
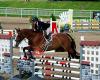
{"x":50,"y":36}
{"x":45,"y":34}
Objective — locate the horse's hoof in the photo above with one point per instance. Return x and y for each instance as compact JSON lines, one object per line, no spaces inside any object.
{"x":33,"y":58}
{"x":24,"y":58}
{"x":77,"y":57}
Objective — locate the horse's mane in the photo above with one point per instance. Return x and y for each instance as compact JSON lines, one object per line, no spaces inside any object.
{"x":31,"y":31}
{"x":44,"y":25}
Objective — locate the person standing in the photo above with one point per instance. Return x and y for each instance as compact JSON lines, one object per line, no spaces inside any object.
{"x":0,"y":26}
{"x":53,"y":17}
{"x":97,"y":17}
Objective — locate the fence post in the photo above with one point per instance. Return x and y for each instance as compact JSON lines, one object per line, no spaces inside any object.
{"x":21,"y":12}
{"x":90,"y":15}
{"x":6,"y":12}
{"x":37,"y":12}
{"x":81,"y":51}
{"x":54,"y":12}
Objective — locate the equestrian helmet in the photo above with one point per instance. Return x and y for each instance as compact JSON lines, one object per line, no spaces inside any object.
{"x":34,"y":18}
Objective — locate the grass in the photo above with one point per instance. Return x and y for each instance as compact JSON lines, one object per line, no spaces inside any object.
{"x":76,"y":5}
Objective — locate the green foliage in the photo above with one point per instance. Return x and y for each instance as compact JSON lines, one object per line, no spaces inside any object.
{"x":78,"y":5}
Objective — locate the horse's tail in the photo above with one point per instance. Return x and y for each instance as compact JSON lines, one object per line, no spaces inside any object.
{"x":73,"y":47}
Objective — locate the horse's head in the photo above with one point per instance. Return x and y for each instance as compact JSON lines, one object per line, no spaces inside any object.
{"x":20,"y":36}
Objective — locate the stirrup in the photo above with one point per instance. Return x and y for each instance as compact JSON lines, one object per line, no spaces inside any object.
{"x":47,"y":41}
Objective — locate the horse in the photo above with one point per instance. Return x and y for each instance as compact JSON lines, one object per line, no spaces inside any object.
{"x":61,"y":42}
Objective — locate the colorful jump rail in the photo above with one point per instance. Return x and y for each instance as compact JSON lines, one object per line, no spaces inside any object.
{"x":86,"y":25}
{"x":53,"y":65}
{"x":5,"y":32}
{"x":9,"y":32}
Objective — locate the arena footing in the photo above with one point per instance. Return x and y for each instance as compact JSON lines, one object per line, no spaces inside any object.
{"x":36,"y":77}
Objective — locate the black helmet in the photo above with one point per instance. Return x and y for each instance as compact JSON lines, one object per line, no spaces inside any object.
{"x":34,"y":18}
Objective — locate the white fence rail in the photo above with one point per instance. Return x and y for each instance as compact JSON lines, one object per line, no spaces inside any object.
{"x":6,"y":11}
{"x":29,"y":11}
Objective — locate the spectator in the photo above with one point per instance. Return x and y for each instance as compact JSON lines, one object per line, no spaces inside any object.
{"x":66,"y":27}
{"x":53,"y":17}
{"x":97,"y":17}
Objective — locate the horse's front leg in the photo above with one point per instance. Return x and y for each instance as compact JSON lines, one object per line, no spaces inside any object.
{"x":30,"y":53}
{"x":25,"y":48}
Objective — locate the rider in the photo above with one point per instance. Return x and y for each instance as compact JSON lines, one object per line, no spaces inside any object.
{"x":38,"y":25}
{"x":33,"y":20}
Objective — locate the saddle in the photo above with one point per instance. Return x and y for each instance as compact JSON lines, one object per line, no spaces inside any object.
{"x":48,"y":39}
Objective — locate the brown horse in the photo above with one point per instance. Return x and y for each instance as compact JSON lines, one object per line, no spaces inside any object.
{"x":60,"y":42}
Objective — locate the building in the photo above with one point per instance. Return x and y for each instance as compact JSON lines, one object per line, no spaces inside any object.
{"x":6,"y":53}
{"x":90,"y":51}
{"x":85,"y":70}
{"x":96,"y":76}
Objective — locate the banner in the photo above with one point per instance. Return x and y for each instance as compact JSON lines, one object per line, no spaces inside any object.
{"x":67,"y":17}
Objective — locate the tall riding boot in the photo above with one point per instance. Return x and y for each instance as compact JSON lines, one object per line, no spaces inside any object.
{"x":49,"y":36}
{"x":45,"y":34}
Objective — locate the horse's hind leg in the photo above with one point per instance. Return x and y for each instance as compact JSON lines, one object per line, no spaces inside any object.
{"x":69,"y":56}
{"x":73,"y":53}
{"x":61,"y":49}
